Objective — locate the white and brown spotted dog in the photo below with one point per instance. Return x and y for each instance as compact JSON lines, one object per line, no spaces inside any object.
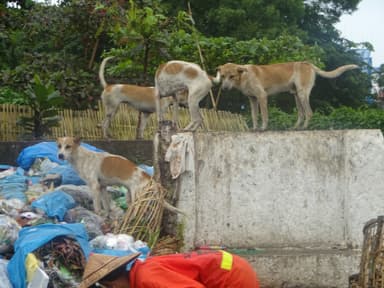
{"x":139,"y":97}
{"x":259,"y":81}
{"x":99,"y":169}
{"x":175,"y":76}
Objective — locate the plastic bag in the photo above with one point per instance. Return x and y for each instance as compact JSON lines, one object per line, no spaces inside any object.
{"x":43,"y":150}
{"x":31,"y":238}
{"x":55,"y":204}
{"x":14,"y":185}
{"x":11,"y":207}
{"x":82,"y":194}
{"x":4,"y":279}
{"x":9,"y":231}
{"x":68,"y":175}
{"x":92,"y":222}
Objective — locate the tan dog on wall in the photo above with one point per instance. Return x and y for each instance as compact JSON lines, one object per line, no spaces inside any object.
{"x":259,"y":81}
{"x":141,"y":98}
{"x":100,"y":169}
{"x":175,"y":76}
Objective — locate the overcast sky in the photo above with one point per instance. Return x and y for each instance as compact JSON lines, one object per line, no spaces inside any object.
{"x":366,"y":25}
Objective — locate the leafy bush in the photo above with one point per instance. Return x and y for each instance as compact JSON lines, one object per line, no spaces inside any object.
{"x":44,"y":101}
{"x":339,"y":119}
{"x":10,"y":96}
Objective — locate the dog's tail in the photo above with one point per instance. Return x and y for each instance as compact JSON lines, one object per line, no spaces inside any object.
{"x":217,"y":78}
{"x":172,"y":208}
{"x":101,"y":71}
{"x":334,"y":73}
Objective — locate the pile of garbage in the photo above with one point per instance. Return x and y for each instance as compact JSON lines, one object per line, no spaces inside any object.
{"x":47,"y":225}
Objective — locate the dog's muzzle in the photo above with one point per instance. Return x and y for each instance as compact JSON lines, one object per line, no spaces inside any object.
{"x":226,"y":85}
{"x":60,"y":156}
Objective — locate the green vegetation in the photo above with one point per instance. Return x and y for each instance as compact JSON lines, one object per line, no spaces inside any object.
{"x":44,"y":101}
{"x":338,"y":119}
{"x":64,"y":45}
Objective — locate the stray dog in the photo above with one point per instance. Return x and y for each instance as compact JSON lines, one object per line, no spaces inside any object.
{"x":259,"y":81}
{"x":99,"y":169}
{"x":139,"y":97}
{"x":174,"y":77}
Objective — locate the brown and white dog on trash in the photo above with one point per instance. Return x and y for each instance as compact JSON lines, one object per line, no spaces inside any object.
{"x":176,"y":76}
{"x":141,"y":98}
{"x":100,"y":169}
{"x":259,"y":81}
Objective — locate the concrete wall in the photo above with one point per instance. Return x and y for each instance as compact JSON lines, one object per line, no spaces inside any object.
{"x":279,"y":190}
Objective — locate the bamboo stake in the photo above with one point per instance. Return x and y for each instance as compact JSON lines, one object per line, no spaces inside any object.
{"x":200,"y":53}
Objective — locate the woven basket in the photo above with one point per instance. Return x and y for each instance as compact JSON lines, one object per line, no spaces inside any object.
{"x":372,"y":258}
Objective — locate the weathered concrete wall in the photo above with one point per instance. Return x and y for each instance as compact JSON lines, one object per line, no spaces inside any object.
{"x":306,"y":189}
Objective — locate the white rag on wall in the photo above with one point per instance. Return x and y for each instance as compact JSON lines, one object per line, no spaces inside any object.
{"x":180,"y":154}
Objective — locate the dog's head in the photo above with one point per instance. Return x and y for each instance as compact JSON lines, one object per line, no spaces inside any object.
{"x":66,"y":146}
{"x":230,"y":75}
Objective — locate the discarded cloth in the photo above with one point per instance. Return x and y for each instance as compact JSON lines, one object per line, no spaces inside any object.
{"x":31,"y":238}
{"x":180,"y":154}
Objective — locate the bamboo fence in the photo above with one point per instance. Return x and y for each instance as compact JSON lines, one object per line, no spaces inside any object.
{"x":85,"y":123}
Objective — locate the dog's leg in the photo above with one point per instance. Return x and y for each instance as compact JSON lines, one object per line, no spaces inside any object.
{"x":300,"y":110}
{"x":181,"y":98}
{"x":307,"y":107}
{"x":175,"y":113}
{"x":263,"y":102}
{"x":194,"y":98}
{"x":159,"y":111}
{"x":110,"y":111}
{"x":254,"y":110}
{"x":96,"y":190}
{"x":105,"y":126}
{"x":175,"y":109}
{"x":143,"y":119}
{"x":105,"y":200}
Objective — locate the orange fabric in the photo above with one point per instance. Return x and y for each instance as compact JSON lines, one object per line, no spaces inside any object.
{"x":192,"y":270}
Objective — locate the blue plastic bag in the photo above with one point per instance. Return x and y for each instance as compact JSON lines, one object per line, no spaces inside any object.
{"x":14,"y":186}
{"x":55,"y":204}
{"x":148,"y":169}
{"x":31,"y":238}
{"x":68,"y":175}
{"x":43,"y":150}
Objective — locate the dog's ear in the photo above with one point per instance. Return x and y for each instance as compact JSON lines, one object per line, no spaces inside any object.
{"x":77,"y":140}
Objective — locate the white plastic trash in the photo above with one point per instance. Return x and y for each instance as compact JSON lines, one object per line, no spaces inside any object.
{"x":40,"y":279}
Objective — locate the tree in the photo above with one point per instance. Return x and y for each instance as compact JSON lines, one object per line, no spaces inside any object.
{"x":140,"y":37}
{"x":243,"y":19}
{"x":54,"y":42}
{"x":352,"y":88}
{"x":312,"y":21}
{"x":380,"y":79}
{"x":63,"y":44}
{"x":44,"y":101}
